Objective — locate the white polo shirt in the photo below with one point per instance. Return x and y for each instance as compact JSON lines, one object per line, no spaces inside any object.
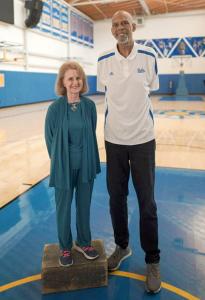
{"x":127,"y":83}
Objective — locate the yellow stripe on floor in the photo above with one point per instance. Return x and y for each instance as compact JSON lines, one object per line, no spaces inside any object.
{"x":165,"y":285}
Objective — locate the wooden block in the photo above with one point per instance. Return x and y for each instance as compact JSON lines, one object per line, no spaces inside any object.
{"x":82,"y":274}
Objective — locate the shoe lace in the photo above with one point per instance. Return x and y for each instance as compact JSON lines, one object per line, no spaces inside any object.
{"x":88,"y":248}
{"x":66,"y":253}
{"x":116,"y":253}
{"x":154,"y":270}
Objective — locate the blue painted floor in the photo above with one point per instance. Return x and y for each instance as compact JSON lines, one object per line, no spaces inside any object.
{"x":179,"y":113}
{"x":181,"y":98}
{"x":28,"y":223}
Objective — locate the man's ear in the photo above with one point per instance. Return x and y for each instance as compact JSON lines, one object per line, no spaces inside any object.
{"x":134,"y":26}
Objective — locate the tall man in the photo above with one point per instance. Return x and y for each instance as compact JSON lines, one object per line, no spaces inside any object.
{"x":127,"y":74}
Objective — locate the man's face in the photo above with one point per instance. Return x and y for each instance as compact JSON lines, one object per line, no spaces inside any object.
{"x":122,"y":28}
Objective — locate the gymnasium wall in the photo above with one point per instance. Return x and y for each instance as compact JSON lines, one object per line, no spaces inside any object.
{"x":169,"y":26}
{"x":32,"y":87}
{"x":30,"y":59}
{"x":30,"y":71}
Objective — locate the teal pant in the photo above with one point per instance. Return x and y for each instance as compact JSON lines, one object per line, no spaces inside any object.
{"x":63,"y":198}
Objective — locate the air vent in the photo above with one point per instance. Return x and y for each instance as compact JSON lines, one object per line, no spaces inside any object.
{"x":139,"y":21}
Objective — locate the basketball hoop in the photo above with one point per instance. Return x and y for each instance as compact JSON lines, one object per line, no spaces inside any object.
{"x":181,"y":61}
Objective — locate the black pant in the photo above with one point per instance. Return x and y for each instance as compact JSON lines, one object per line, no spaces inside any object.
{"x":141,"y":160}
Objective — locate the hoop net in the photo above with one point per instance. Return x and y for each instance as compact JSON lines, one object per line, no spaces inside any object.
{"x":181,"y":61}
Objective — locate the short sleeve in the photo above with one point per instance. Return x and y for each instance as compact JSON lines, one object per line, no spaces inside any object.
{"x":154,"y":84}
{"x":100,"y":83}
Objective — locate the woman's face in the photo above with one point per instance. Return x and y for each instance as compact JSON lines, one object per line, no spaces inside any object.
{"x":72,"y":82}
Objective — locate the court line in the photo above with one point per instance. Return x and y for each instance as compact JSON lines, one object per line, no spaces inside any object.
{"x":165,"y":285}
{"x":20,"y":282}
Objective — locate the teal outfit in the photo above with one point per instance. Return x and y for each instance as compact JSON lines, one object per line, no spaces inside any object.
{"x":72,"y":147}
{"x":75,"y":135}
{"x":56,"y":135}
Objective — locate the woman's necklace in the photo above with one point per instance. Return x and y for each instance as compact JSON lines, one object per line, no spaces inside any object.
{"x":74,"y":105}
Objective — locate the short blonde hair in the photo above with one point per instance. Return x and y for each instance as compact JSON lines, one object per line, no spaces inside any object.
{"x":69,"y":65}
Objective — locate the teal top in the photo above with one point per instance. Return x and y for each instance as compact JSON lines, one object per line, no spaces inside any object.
{"x":75,"y":135}
{"x":56,"y":136}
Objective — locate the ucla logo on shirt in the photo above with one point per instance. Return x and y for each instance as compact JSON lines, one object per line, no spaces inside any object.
{"x":140,"y":70}
{"x":111,"y":73}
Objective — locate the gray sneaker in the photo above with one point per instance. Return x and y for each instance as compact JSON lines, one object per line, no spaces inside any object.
{"x":117,"y":257}
{"x":88,"y":251}
{"x":153,"y":280}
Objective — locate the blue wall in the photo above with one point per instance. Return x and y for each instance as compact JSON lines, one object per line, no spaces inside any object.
{"x":92,"y":83}
{"x":30,"y":87}
{"x":194,"y":82}
{"x":26,"y":87}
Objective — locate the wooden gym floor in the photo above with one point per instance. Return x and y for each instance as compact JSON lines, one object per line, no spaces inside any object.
{"x":28,"y":223}
{"x":180,"y":135}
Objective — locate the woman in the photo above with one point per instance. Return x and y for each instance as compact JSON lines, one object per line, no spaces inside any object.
{"x":72,"y":146}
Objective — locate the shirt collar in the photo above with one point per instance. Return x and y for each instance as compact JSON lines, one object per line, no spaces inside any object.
{"x":131,"y":56}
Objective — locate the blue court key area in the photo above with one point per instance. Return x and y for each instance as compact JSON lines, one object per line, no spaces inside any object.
{"x":29,"y":222}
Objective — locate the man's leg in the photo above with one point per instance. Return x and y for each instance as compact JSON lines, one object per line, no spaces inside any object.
{"x":142,"y":160}
{"x":118,"y":170}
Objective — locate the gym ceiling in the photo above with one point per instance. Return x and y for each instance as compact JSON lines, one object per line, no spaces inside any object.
{"x":103,"y":9}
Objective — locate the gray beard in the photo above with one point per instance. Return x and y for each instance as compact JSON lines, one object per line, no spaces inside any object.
{"x":122,"y":39}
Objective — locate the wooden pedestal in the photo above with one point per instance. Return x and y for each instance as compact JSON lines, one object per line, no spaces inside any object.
{"x":82,"y":274}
